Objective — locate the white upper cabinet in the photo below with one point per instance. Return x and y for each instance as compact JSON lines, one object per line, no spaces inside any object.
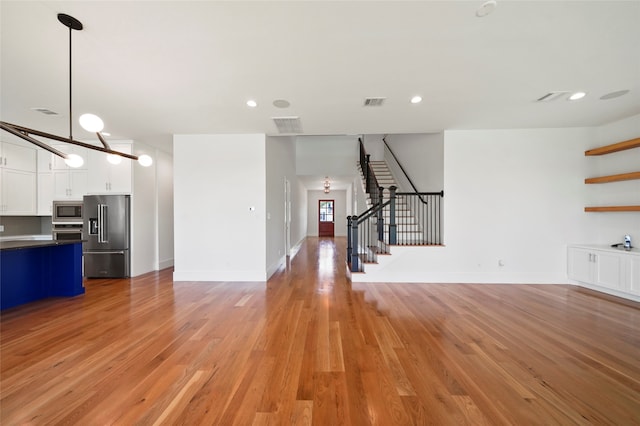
{"x":17,"y":157}
{"x":58,"y":162}
{"x":17,"y":180}
{"x":105,"y":177}
{"x":69,"y":183}
{"x":45,"y":161}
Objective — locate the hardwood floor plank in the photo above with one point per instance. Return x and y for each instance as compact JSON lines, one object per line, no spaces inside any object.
{"x":310,"y":347}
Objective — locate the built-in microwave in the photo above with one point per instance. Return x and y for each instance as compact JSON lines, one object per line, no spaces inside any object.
{"x":66,"y":212}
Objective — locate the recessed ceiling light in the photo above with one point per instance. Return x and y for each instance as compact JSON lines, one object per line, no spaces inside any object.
{"x":486,"y":8}
{"x":613,"y":95}
{"x":577,"y":95}
{"x":416,"y":99}
{"x":251,"y":103}
{"x":281,"y":103}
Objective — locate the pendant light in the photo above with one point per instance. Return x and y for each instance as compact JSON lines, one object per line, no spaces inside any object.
{"x":90,"y":122}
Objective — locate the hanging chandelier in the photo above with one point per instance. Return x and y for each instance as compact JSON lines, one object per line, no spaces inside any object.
{"x":89,"y":122}
{"x":327,"y":185}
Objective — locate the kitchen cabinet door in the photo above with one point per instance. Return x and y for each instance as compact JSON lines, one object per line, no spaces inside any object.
{"x":18,"y":192}
{"x":45,"y":194}
{"x":609,"y":270}
{"x":634,"y":274}
{"x":580,"y":264}
{"x":69,"y":184}
{"x":58,"y":162}
{"x":18,"y":157}
{"x":106,"y":177}
{"x":45,"y":161}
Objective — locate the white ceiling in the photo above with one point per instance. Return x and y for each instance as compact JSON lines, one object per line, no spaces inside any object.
{"x":151,"y":69}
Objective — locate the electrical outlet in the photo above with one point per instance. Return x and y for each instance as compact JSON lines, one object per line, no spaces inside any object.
{"x":1,"y":228}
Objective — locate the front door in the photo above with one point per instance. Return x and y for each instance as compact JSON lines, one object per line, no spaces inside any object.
{"x":325,"y":215}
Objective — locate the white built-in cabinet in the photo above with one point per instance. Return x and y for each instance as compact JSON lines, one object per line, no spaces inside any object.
{"x":106,"y":177}
{"x":69,"y":183}
{"x":57,"y":181}
{"x":45,"y":183}
{"x":17,"y":180}
{"x":605,"y":268}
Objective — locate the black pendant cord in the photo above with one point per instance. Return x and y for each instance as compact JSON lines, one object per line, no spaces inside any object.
{"x":70,"y":91}
{"x":73,"y":24}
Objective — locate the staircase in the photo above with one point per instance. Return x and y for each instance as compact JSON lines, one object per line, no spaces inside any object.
{"x":404,"y":219}
{"x":408,"y":229}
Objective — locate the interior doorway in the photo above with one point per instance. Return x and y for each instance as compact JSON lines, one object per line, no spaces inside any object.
{"x":326,"y":220}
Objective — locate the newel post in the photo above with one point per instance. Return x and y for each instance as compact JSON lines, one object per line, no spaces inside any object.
{"x":353,"y":230}
{"x":393,"y":239}
{"x":349,"y":239}
{"x":380,"y":214}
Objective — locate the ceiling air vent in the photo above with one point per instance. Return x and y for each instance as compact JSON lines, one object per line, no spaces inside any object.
{"x":552,"y":96}
{"x":372,"y":102}
{"x":288,"y":124}
{"x":44,"y":111}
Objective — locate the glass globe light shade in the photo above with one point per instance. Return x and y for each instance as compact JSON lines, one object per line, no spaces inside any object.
{"x":91,"y":123}
{"x":145,"y":160}
{"x":114,"y":159}
{"x":74,"y":160}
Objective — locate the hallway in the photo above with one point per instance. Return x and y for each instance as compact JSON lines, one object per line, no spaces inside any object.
{"x":309,"y":347}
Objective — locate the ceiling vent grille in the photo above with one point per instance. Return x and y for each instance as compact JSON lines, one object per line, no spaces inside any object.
{"x":552,"y":96}
{"x":288,"y":124}
{"x":373,"y":102}
{"x":44,"y":111}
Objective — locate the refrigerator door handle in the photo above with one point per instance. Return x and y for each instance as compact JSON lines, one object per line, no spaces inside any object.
{"x":102,"y":223}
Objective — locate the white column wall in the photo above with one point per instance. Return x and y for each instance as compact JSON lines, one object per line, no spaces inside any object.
{"x":220,"y":207}
{"x":144,"y":213}
{"x":165,"y":209}
{"x":280,"y":160}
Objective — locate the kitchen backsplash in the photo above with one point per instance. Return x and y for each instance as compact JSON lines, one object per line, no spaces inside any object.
{"x":25,"y":225}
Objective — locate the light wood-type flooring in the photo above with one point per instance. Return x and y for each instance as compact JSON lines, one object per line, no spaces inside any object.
{"x":309,"y":347}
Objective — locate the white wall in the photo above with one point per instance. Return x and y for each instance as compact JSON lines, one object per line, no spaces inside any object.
{"x":422,"y":157}
{"x":374,"y":146}
{"x":339,"y":209}
{"x":611,"y":227}
{"x":144,"y":213}
{"x":510,"y":195}
{"x":217,"y":179}
{"x":326,"y":155}
{"x":280,"y":165}
{"x":164,"y":173}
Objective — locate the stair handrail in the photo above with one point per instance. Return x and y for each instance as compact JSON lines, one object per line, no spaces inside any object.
{"x":415,"y":190}
{"x":372,"y":211}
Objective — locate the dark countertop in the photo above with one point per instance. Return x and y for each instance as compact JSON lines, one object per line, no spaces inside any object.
{"x":25,"y":244}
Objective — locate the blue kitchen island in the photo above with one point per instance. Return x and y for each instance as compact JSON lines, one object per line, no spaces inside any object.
{"x":33,"y":270}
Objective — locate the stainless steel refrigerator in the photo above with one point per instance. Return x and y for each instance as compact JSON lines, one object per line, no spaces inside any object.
{"x":106,"y":221}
